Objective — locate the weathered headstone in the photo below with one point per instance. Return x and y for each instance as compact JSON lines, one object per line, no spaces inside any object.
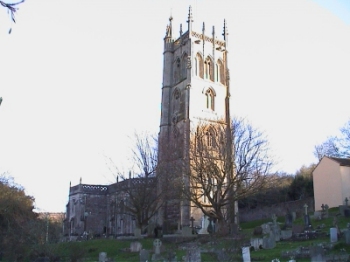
{"x":305,"y":208}
{"x":205,"y":223}
{"x":266,"y":228}
{"x":256,"y":243}
{"x":144,"y":255}
{"x":286,"y":234}
{"x":269,"y":242}
{"x":102,"y":257}
{"x":307,"y":222}
{"x":317,"y":215}
{"x":333,"y":234}
{"x":274,"y":219}
{"x":317,"y":254}
{"x":135,"y":246}
{"x":275,"y":228}
{"x":157,"y":244}
{"x":137,"y":232}
{"x":297,"y":229}
{"x":186,"y":231}
{"x":246,"y":254}
{"x":347,"y":236}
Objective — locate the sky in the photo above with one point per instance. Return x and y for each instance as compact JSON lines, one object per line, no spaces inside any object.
{"x":79,"y":78}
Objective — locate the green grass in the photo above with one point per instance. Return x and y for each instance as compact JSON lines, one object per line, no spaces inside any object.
{"x":117,"y":249}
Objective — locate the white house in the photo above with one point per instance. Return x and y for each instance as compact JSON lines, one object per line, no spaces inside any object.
{"x":331,"y":179}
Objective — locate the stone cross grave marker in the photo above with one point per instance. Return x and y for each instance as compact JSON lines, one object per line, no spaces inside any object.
{"x":305,"y":207}
{"x":274,"y":219}
{"x":157,"y":244}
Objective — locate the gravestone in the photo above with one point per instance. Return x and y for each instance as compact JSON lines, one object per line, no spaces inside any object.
{"x":307,"y":220}
{"x":266,"y":228}
{"x":297,"y":229}
{"x":256,"y":243}
{"x":276,"y":230}
{"x":186,"y":231}
{"x":269,"y":242}
{"x":274,"y":219}
{"x":144,"y":255}
{"x":317,"y":254}
{"x":102,"y":257}
{"x":246,"y":254}
{"x":157,"y":244}
{"x":137,"y":232}
{"x":347,"y":236}
{"x":333,"y":234}
{"x":286,"y":234}
{"x":156,"y":247}
{"x":135,"y":246}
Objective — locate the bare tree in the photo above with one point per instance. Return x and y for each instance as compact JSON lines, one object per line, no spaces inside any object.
{"x":142,"y":198}
{"x":220,"y":175}
{"x":335,"y":146}
{"x":12,"y":9}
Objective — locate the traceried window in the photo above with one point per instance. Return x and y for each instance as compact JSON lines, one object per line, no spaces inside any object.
{"x":209,"y":69}
{"x":177,"y":70}
{"x":209,"y":95}
{"x":184,"y":66}
{"x":210,"y":138}
{"x":199,"y":66}
{"x":220,"y":72}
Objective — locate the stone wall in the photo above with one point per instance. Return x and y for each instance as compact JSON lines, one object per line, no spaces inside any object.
{"x":281,"y":209}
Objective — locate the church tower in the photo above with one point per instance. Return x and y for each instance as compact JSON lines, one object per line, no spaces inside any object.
{"x":195,"y":90}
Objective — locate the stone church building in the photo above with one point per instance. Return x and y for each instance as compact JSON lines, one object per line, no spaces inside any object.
{"x":195,"y":90}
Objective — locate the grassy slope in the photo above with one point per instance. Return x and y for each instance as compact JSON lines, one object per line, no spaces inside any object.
{"x":116,"y":249}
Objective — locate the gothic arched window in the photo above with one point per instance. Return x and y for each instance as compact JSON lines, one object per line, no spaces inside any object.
{"x":184,"y":66}
{"x":210,"y":138}
{"x":209,"y":69}
{"x":199,"y":66}
{"x":177,"y":70}
{"x":220,"y":72}
{"x":209,"y":95}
